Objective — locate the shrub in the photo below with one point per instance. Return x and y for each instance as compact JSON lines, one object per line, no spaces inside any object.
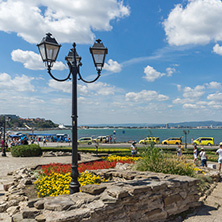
{"x":26,"y":150}
{"x":156,"y":161}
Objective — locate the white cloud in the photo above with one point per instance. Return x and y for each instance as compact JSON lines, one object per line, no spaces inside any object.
{"x":170,"y":71}
{"x":145,"y":95}
{"x":33,"y":60}
{"x":215,"y":97}
{"x":217,"y":49}
{"x":152,"y":74}
{"x":179,"y":87}
{"x":112,"y":66}
{"x":103,"y":89}
{"x":197,"y":23}
{"x":191,"y":97}
{"x":97,"y":88}
{"x":213,"y":85}
{"x":195,"y":93}
{"x":18,"y":84}
{"x":194,"y":106}
{"x":190,"y":106}
{"x":66,"y":19}
{"x":65,"y":86}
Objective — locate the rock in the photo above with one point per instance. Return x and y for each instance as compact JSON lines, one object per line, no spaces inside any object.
{"x":7,"y":186}
{"x":30,"y":213}
{"x":12,"y":210}
{"x":32,"y":203}
{"x":26,"y":181}
{"x":40,"y":218}
{"x":4,"y":217}
{"x":172,"y":199}
{"x":106,"y":198}
{"x":3,"y":207}
{"x":117,"y":192}
{"x":58,"y":204}
{"x":212,"y":166}
{"x":93,"y":189}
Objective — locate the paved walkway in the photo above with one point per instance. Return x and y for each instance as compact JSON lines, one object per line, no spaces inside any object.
{"x":211,"y":211}
{"x":9,"y":164}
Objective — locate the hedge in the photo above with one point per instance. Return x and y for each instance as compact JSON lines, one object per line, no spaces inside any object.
{"x":26,"y":150}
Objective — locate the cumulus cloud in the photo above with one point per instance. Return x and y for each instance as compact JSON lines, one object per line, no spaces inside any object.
{"x":97,"y":88}
{"x":61,"y":86}
{"x":145,"y":95}
{"x":112,"y":66}
{"x":215,"y":97}
{"x":199,"y":22}
{"x":19,"y":83}
{"x":67,"y":20}
{"x":190,"y":95}
{"x":217,"y":49}
{"x":152,"y":74}
{"x":194,"y":106}
{"x":213,"y":85}
{"x":103,"y":89}
{"x":170,"y":71}
{"x":196,"y":92}
{"x":33,"y":60}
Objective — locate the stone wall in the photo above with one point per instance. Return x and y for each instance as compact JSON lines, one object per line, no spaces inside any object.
{"x":128,"y":196}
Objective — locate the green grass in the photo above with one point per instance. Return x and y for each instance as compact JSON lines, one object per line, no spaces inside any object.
{"x":126,"y":151}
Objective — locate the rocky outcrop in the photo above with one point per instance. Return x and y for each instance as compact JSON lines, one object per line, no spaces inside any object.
{"x":128,"y":196}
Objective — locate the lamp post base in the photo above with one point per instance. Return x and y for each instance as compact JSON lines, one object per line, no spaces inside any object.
{"x":74,"y":188}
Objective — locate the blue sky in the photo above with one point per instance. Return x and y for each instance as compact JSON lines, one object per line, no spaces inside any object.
{"x":163,"y":63}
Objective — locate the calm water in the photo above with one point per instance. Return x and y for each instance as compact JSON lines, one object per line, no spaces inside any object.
{"x":124,"y":135}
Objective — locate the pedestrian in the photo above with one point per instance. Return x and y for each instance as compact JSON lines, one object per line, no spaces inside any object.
{"x":179,"y":151}
{"x":219,"y":152}
{"x":195,"y":154}
{"x":44,"y":141}
{"x":203,"y":157}
{"x":133,"y":149}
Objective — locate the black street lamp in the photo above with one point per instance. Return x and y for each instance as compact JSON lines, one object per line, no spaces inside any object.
{"x":49,"y":49}
{"x":5,"y":118}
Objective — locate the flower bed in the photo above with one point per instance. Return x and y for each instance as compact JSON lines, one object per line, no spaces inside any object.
{"x":55,"y":178}
{"x":58,"y":183}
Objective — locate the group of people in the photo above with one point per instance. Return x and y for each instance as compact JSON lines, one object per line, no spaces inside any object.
{"x":203,"y":156}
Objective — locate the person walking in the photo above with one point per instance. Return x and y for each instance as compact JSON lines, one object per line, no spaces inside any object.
{"x":219,"y":152}
{"x":133,"y":149}
{"x":203,"y":157}
{"x":179,"y":151}
{"x":195,"y":155}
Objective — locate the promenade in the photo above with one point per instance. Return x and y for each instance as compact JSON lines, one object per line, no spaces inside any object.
{"x":211,"y":211}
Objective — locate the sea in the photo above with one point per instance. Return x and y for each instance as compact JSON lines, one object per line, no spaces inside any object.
{"x":136,"y":134}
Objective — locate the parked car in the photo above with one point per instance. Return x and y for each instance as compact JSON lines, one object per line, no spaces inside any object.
{"x":204,"y":141}
{"x":149,"y":140}
{"x":85,"y":140}
{"x":101,"y":139}
{"x":172,"y":141}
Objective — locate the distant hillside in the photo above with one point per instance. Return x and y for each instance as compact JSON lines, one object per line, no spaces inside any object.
{"x":179,"y":124}
{"x":14,"y":121}
{"x":196,"y":124}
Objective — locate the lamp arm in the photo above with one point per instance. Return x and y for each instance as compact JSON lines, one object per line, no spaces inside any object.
{"x":85,"y":81}
{"x":60,"y":80}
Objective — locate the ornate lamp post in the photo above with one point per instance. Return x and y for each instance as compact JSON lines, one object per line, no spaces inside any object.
{"x":49,"y":49}
{"x":5,"y":119}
